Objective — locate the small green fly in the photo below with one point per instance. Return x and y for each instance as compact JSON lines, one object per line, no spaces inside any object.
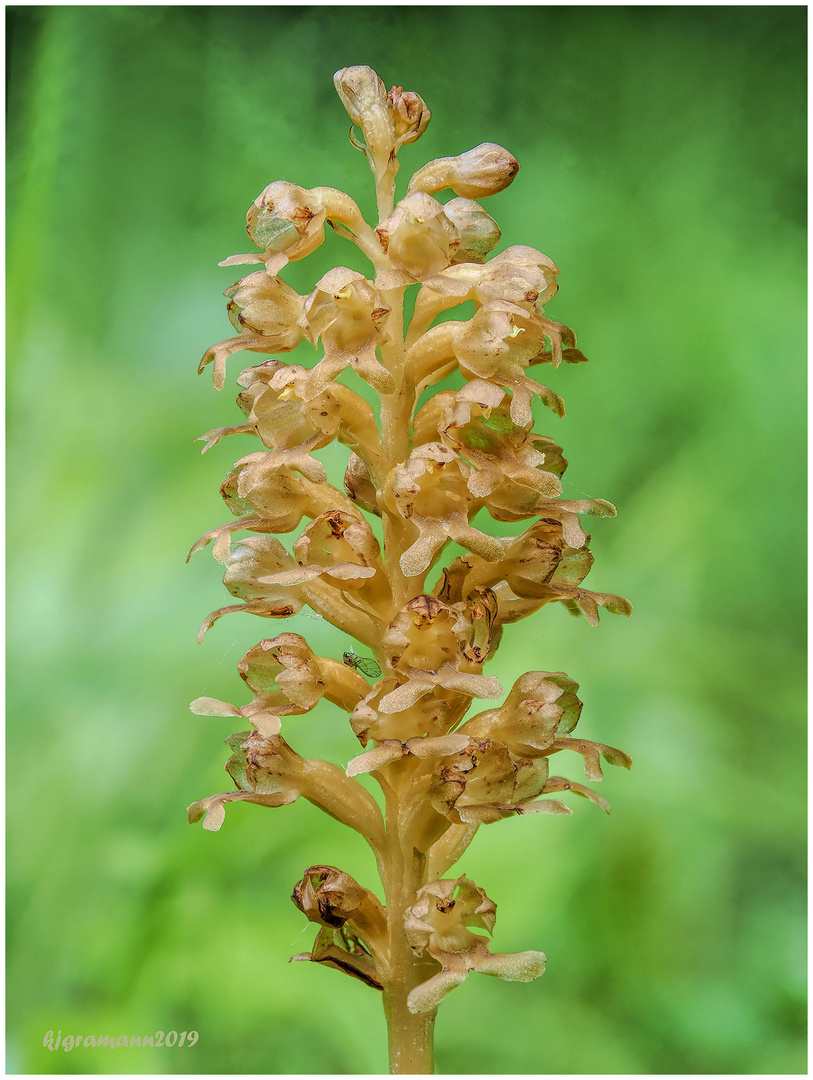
{"x":365,"y":664}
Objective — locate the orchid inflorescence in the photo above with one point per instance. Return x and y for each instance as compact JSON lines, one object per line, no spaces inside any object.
{"x":425,"y":473}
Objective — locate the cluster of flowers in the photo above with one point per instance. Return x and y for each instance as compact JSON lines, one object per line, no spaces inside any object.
{"x":465,"y":450}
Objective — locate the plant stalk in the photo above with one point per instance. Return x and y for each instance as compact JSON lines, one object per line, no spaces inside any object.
{"x":410,"y":1035}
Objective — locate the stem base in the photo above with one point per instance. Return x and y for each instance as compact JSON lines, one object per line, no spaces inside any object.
{"x":411,"y":1035}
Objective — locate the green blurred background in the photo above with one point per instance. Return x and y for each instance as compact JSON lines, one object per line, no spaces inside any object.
{"x":662,"y":154}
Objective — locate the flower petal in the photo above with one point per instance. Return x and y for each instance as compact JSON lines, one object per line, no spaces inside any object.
{"x":374,"y":759}
{"x":207,"y":706}
{"x":514,"y":967}
{"x":427,"y":996}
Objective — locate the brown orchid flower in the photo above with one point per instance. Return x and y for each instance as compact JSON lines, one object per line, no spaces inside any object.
{"x":425,"y":468}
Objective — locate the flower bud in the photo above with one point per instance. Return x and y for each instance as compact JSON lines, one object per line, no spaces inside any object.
{"x":266,"y":305}
{"x":343,"y":547}
{"x":436,"y":645}
{"x":424,"y":635}
{"x":370,"y":721}
{"x":484,"y":783}
{"x":498,"y":335}
{"x":280,"y":417}
{"x":353,"y":937}
{"x":247,"y":566}
{"x":266,"y":771}
{"x":430,"y":490}
{"x":540,"y":707}
{"x":408,"y":113}
{"x":255,"y":486}
{"x":285,"y":672}
{"x":265,"y":311}
{"x":419,"y":238}
{"x":328,"y":896}
{"x":478,"y":230}
{"x":496,"y":455}
{"x":363,"y":95}
{"x":284,"y":218}
{"x":346,"y":312}
{"x":387,"y":120}
{"x":485,"y":170}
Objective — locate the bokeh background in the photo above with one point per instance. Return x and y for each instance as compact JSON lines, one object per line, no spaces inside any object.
{"x":662,"y":154}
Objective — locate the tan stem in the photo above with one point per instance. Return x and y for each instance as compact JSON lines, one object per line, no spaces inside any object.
{"x":396,"y":444}
{"x":411,"y":1036}
{"x":403,"y":869}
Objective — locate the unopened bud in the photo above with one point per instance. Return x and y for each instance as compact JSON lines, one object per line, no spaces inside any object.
{"x":328,"y":896}
{"x":419,"y":238}
{"x":387,"y":120}
{"x":408,"y":113}
{"x":282,"y":217}
{"x":361,"y":91}
{"x":479,"y":232}
{"x":265,"y":305}
{"x":363,"y":95}
{"x":485,"y":170}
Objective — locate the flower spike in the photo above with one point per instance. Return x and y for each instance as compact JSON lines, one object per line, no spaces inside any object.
{"x":445,"y":521}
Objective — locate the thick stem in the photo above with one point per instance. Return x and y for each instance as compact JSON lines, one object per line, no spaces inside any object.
{"x":411,"y":1035}
{"x":396,"y":443}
